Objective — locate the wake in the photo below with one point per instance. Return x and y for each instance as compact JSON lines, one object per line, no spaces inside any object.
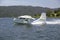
{"x":47,"y":22}
{"x":43,"y":20}
{"x":53,"y":22}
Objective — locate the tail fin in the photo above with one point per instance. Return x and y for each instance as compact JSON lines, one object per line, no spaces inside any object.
{"x":43,"y":16}
{"x":41,"y":20}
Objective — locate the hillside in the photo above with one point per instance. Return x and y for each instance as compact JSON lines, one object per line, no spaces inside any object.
{"x":13,"y":11}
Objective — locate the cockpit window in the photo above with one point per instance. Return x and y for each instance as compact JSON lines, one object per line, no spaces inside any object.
{"x":26,"y":19}
{"x":21,"y":18}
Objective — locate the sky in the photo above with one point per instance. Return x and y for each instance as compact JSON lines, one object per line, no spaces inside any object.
{"x":41,"y":3}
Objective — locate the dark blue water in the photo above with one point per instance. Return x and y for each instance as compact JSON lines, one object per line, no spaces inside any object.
{"x":11,"y":31}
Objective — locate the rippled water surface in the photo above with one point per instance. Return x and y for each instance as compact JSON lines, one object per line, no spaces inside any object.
{"x":11,"y":31}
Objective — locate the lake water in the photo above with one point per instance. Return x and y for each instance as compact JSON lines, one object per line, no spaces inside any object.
{"x":11,"y":31}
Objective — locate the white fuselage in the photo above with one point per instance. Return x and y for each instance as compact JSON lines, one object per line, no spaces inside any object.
{"x":22,"y":20}
{"x":26,"y":19}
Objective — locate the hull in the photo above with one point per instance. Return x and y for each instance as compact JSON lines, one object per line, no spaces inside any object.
{"x":22,"y":22}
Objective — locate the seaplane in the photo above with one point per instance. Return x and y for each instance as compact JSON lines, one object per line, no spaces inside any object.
{"x":26,"y":19}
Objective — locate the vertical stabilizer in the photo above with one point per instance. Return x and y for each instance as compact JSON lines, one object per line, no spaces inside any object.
{"x":43,"y":16}
{"x":41,"y":20}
